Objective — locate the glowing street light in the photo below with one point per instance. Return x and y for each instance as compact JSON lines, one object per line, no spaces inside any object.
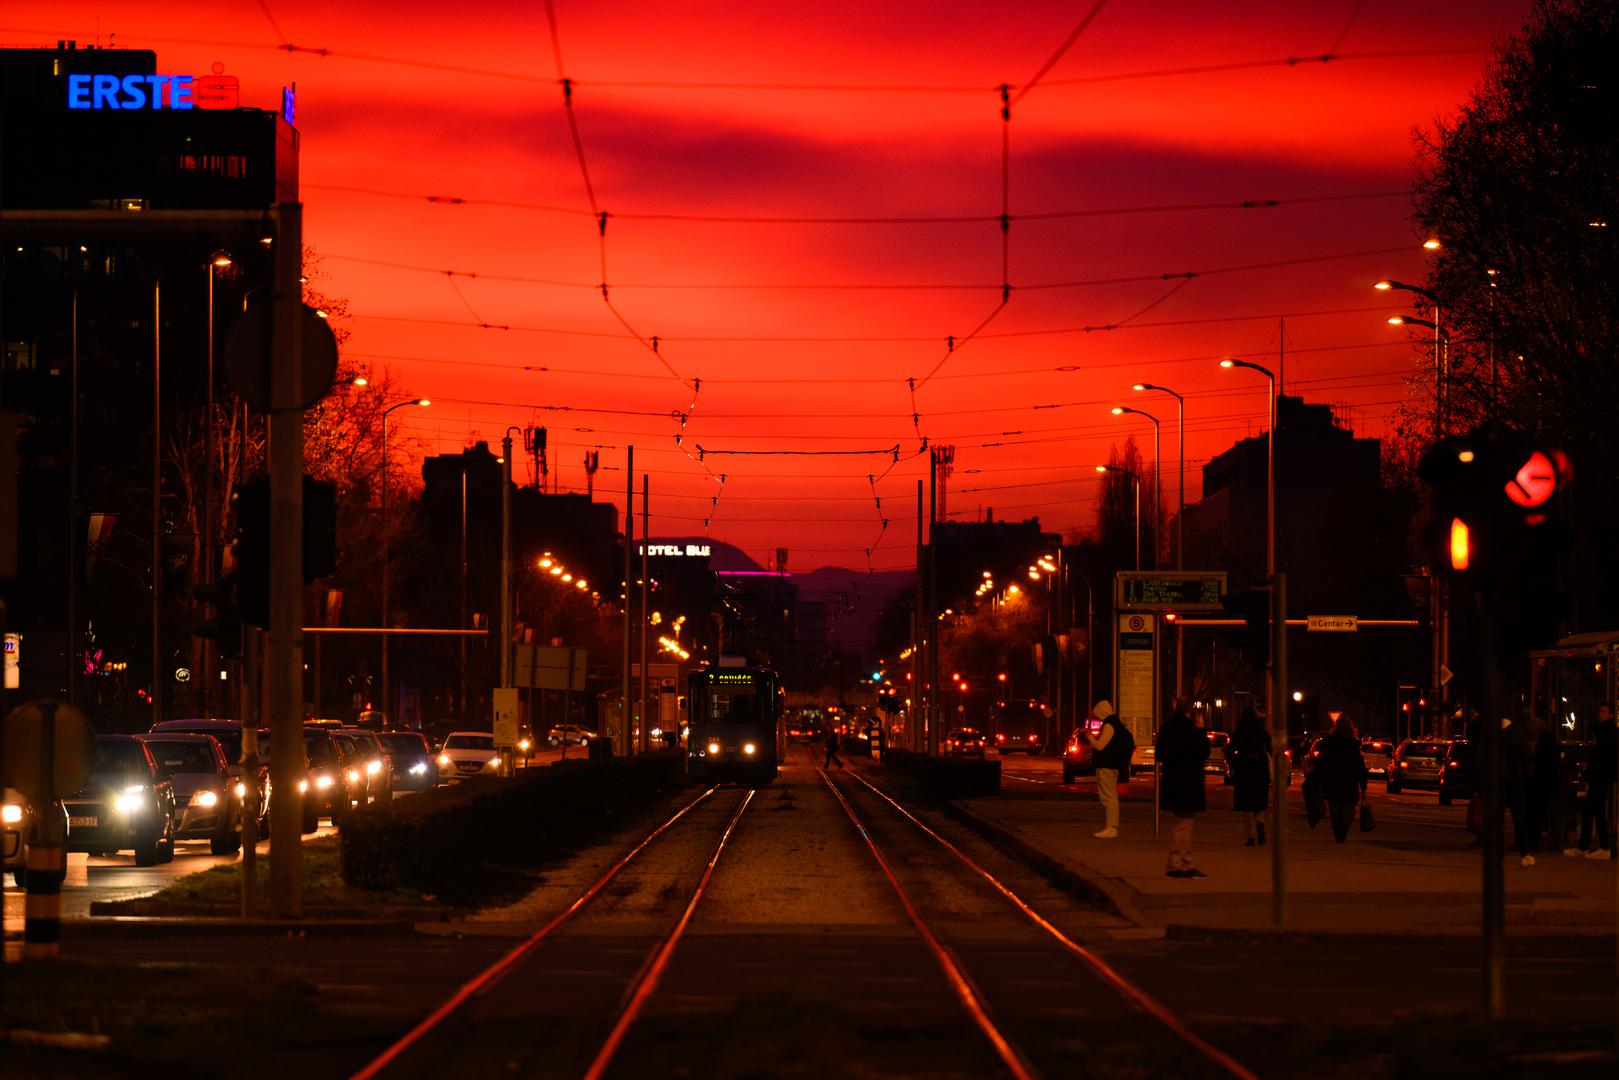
{"x":1133,"y":476}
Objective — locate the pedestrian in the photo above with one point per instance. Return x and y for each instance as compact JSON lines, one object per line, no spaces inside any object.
{"x":1249,"y":753}
{"x":1111,"y":744}
{"x":832,"y":750}
{"x":1544,"y":776}
{"x":1340,"y":775}
{"x":1517,"y":763}
{"x":1600,"y":773}
{"x":1182,"y":749}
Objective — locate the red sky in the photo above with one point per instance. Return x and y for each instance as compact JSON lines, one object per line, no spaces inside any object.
{"x":477,"y":115}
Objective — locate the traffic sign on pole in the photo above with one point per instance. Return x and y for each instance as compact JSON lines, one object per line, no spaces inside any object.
{"x":1333,"y":623}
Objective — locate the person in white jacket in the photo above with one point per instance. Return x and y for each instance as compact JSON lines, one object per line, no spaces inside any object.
{"x":1105,"y":744}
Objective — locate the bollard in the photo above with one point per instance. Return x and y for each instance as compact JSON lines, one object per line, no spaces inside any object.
{"x":42,"y":928}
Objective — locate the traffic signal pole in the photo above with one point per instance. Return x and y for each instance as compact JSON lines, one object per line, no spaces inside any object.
{"x":284,"y":673}
{"x":1491,"y":774}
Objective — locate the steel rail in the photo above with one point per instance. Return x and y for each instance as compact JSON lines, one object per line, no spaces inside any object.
{"x":647,"y":979}
{"x":1132,"y":993}
{"x":492,"y":974}
{"x":959,"y":982}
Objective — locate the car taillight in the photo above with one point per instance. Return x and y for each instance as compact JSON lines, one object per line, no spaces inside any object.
{"x":1454,"y":764}
{"x":1073,"y":746}
{"x":1405,"y":764}
{"x":1000,"y":738}
{"x":1034,"y":738}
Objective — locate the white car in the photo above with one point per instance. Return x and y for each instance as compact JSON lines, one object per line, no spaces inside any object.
{"x":467,"y":753}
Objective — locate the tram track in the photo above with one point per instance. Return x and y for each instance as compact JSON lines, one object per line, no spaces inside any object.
{"x":1019,"y":1059}
{"x":395,"y":1059}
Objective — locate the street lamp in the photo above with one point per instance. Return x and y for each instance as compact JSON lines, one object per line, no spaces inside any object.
{"x":1137,"y":478}
{"x":1180,"y":488}
{"x":386,"y":686}
{"x":1157,"y":478}
{"x":219,"y":260}
{"x":1440,"y":358}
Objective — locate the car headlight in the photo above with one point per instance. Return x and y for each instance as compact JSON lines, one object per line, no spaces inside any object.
{"x":241,"y":790}
{"x":419,"y":768}
{"x":444,"y":761}
{"x":713,"y":748}
{"x":323,"y":782}
{"x":494,"y":761}
{"x":373,"y":767}
{"x":523,"y":745}
{"x":205,"y":798}
{"x":11,"y":814}
{"x":303,"y":787}
{"x":129,"y":800}
{"x":748,"y":748}
{"x":354,"y":776}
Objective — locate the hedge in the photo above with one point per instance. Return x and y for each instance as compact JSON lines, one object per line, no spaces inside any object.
{"x":946,"y":778}
{"x":433,"y":841}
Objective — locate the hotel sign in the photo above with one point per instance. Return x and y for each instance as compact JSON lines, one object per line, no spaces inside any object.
{"x":686,"y":551}
{"x":148,"y":92}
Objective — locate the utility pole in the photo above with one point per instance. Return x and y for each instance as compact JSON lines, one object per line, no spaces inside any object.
{"x":629,"y":581}
{"x":1284,"y":768}
{"x":285,"y":675}
{"x":506,"y":558}
{"x":920,"y":635}
{"x":933,"y":629}
{"x":646,"y":585}
{"x":157,"y":501}
{"x":73,"y":662}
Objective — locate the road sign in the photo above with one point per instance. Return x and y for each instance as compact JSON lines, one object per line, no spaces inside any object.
{"x":1445,"y":674}
{"x":247,"y":355}
{"x":1171,"y":590}
{"x":505,"y":726}
{"x":549,"y":667}
{"x":1333,"y":623}
{"x":72,"y":749}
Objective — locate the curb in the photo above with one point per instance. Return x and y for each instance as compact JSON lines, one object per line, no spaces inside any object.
{"x":1252,"y":935}
{"x":132,"y":926}
{"x":1080,"y":882}
{"x":145,"y":907}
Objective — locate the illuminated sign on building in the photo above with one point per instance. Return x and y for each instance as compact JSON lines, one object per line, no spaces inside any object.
{"x":216,"y":91}
{"x":694,"y":551}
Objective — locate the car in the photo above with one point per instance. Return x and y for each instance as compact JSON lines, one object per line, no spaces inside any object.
{"x":126,"y":805}
{"x":1311,"y":752}
{"x":207,"y":800}
{"x":569,"y":734}
{"x":467,"y":753}
{"x":1456,"y":781}
{"x":1142,"y":759}
{"x":963,"y":742}
{"x":415,"y":767}
{"x":1218,"y":741}
{"x":379,"y":778}
{"x":1417,"y":763}
{"x":19,"y":824}
{"x":352,"y":765}
{"x":326,"y":786}
{"x":1017,"y":725}
{"x":1078,"y":756}
{"x":229,"y":734}
{"x":1378,"y":750}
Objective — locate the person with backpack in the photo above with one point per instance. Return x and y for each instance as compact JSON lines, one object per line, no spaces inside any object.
{"x":1112,"y":744}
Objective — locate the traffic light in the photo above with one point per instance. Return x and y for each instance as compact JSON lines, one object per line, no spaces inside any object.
{"x":1253,"y":607}
{"x":1498,"y":527}
{"x":225,"y":627}
{"x":320,"y":529}
{"x":251,"y":502}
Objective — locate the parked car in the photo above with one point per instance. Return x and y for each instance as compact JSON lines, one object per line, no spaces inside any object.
{"x":963,"y":742}
{"x":1077,"y":754}
{"x":1018,"y":725}
{"x":19,"y":822}
{"x":1456,"y":780}
{"x":1417,"y":763}
{"x":467,"y":753}
{"x":229,"y":734}
{"x":207,"y":799}
{"x":124,"y":806}
{"x":1378,"y":750}
{"x":415,"y":767}
{"x":379,"y":778}
{"x":571,"y":734}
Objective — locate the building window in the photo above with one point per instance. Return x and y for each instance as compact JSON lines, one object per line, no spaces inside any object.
{"x":20,"y":356}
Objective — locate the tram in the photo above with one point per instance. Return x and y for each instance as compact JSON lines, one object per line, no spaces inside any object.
{"x":734,"y":712}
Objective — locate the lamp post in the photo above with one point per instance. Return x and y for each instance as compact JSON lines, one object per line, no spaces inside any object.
{"x":1180,"y":487}
{"x":216,"y":262}
{"x":1137,"y":478}
{"x":1281,"y":767}
{"x":387,"y":711}
{"x":1157,"y":479}
{"x":1441,"y":360}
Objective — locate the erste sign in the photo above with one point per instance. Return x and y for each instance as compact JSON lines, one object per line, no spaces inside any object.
{"x":214,"y":91}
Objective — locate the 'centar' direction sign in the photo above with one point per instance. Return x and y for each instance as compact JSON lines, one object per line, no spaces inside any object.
{"x":1171,"y":590}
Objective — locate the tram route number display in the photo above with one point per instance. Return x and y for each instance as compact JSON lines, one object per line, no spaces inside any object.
{"x":1171,"y":590}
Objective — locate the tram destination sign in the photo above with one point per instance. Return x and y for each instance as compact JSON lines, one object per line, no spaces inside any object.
{"x":1171,"y":590}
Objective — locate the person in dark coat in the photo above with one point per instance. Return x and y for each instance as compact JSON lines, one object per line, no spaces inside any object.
{"x":1249,"y":754}
{"x":1517,"y":763}
{"x":1181,"y":750}
{"x":1340,"y":775}
{"x":1543,"y":780}
{"x":832,"y":750}
{"x":1601,"y":773}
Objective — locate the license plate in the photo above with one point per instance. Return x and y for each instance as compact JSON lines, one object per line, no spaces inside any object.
{"x":83,"y":822}
{"x":468,"y":766}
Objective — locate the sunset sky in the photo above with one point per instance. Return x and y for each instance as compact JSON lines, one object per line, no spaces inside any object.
{"x":804,"y":334}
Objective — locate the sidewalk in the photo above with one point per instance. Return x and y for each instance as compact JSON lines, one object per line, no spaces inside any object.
{"x":1400,"y":879}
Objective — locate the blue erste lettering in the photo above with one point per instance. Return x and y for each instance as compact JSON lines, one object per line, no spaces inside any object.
{"x":180,"y":92}
{"x":134,"y":92}
{"x":104,"y":89}
{"x":154,"y":87}
{"x":78,"y":91}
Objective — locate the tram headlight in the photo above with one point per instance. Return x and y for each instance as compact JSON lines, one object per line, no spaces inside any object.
{"x":748,"y":749}
{"x":713,"y":748}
